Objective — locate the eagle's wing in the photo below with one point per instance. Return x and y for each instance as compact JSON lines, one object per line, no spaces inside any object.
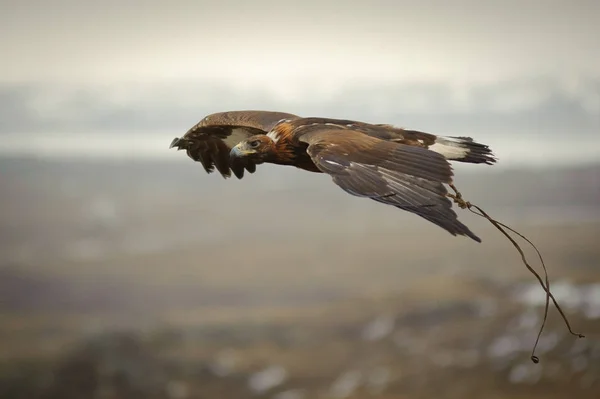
{"x":210,"y":140}
{"x":407,"y":177}
{"x":461,"y":149}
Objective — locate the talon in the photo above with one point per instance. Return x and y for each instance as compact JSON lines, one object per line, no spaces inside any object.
{"x":459,"y":200}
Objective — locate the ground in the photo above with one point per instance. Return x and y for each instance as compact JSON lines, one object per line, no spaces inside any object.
{"x":158,"y":291}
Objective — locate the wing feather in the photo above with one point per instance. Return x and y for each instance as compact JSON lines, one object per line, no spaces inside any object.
{"x":461,"y":149}
{"x":210,"y":140}
{"x":407,"y":177}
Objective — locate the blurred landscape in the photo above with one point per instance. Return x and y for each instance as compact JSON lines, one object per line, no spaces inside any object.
{"x":127,"y":272}
{"x":151,"y":279}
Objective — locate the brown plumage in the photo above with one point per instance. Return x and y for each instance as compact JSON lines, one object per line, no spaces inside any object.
{"x":403,"y":168}
{"x":210,"y":141}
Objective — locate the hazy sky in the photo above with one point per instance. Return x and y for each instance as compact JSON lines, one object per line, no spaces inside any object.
{"x":260,"y":41}
{"x":67,"y":65}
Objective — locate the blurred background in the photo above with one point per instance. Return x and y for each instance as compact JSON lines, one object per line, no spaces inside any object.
{"x":128,"y":272}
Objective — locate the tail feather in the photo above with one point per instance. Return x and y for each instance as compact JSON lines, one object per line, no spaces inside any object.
{"x":463,"y":149}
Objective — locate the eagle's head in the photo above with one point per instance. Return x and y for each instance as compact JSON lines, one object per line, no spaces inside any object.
{"x":258,"y":149}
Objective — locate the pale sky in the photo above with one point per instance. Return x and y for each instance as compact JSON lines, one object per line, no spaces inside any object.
{"x":492,"y":69}
{"x":256,"y":42}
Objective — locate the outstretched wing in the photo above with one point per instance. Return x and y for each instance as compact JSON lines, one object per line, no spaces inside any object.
{"x":461,"y":149}
{"x":407,"y":177}
{"x":210,"y":140}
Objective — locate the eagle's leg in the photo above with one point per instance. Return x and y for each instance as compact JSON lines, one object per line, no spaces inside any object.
{"x":458,"y":199}
{"x":456,"y":192}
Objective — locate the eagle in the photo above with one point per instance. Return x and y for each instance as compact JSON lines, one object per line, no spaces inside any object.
{"x":407,"y":169}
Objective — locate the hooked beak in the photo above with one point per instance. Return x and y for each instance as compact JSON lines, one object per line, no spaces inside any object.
{"x":239,"y":150}
{"x":175,"y":143}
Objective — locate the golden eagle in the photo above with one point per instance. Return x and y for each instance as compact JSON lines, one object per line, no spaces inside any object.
{"x":391,"y":165}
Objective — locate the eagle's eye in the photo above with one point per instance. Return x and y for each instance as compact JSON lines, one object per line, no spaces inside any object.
{"x":254,"y":143}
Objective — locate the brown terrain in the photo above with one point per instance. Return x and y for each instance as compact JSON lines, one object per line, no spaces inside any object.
{"x":154,"y":280}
